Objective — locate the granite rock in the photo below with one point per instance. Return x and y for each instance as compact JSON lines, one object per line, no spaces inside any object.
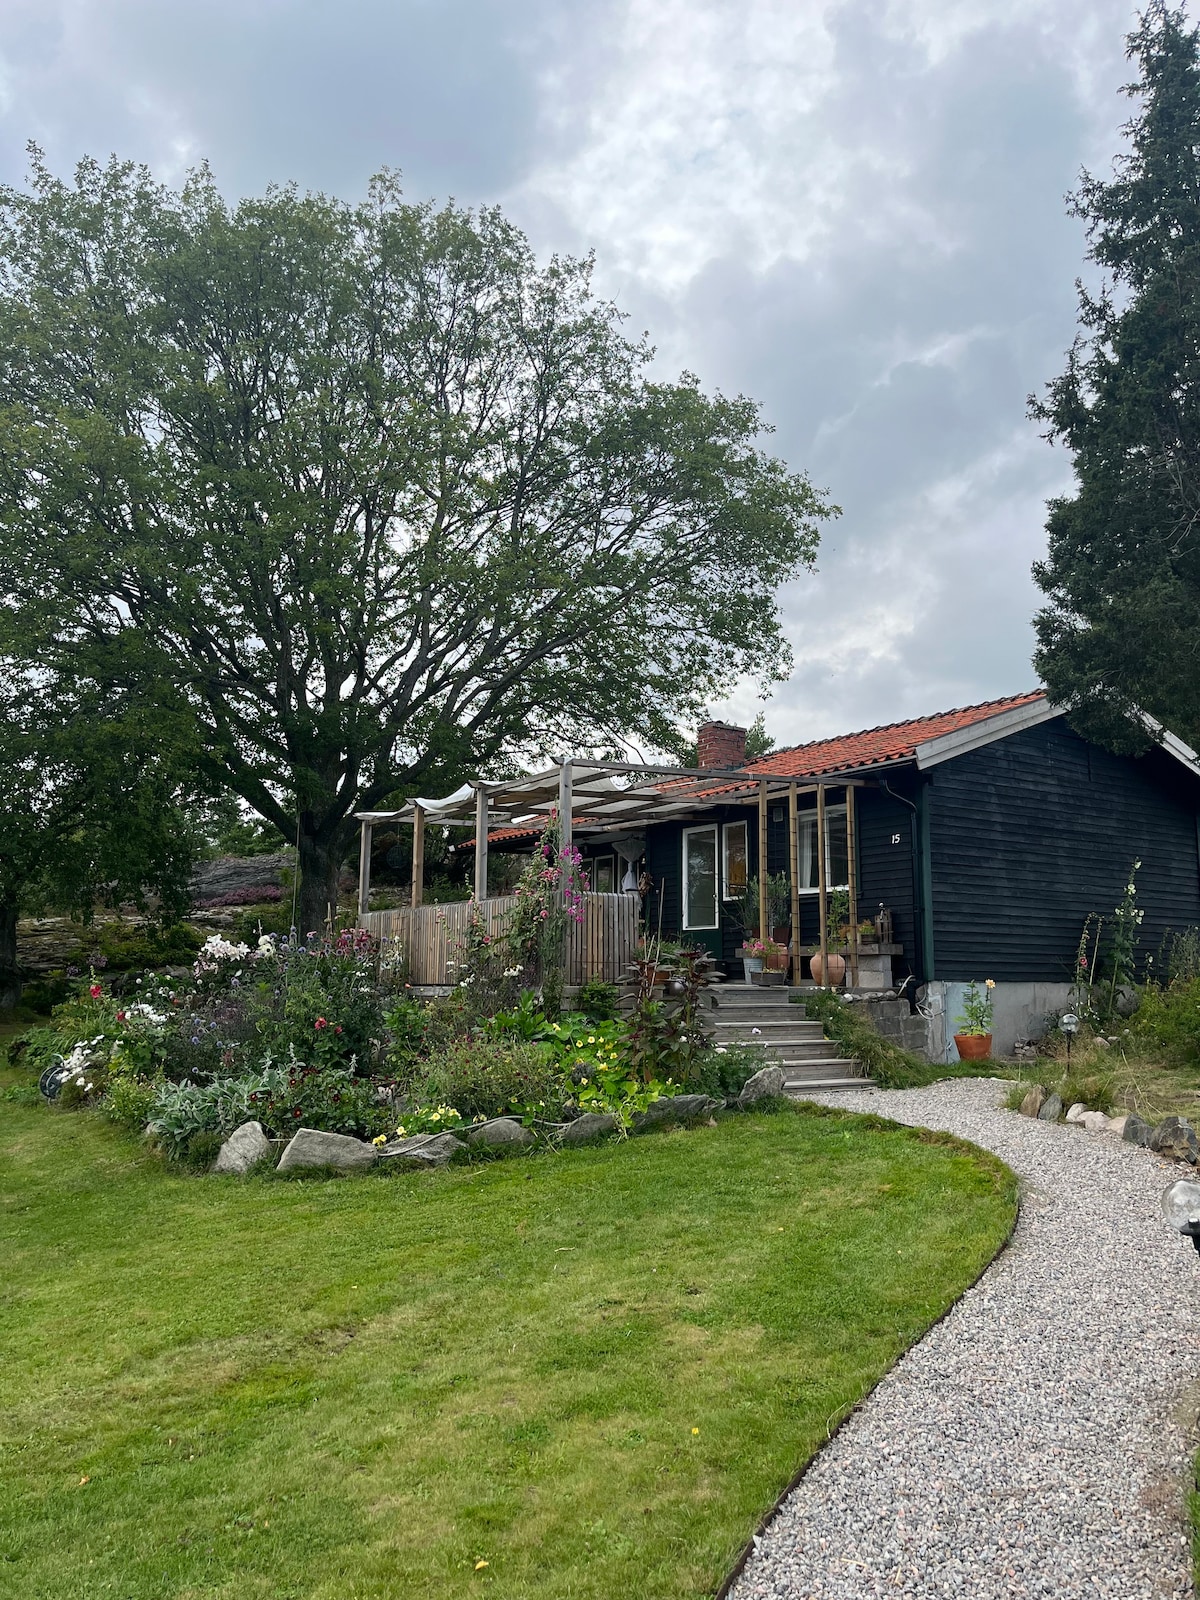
{"x":1175,"y":1137}
{"x":423,"y":1149}
{"x":1050,"y":1110}
{"x":500,"y":1133}
{"x":1033,"y":1101}
{"x":766,"y":1081}
{"x":312,"y":1147}
{"x":244,"y":1148}
{"x":674,"y":1108}
{"x":1136,"y":1130}
{"x":592,"y":1125}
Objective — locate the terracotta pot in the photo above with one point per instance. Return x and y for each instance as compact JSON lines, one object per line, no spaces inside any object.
{"x":973,"y":1046}
{"x":837,"y":969}
{"x":777,"y":962}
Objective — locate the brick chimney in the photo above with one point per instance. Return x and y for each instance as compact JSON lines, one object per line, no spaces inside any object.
{"x":720,"y":744}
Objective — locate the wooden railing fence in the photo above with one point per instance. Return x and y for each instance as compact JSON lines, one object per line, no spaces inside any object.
{"x":601,"y":946}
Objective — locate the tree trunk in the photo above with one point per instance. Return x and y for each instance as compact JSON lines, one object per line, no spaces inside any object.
{"x":316,"y":904}
{"x":10,"y":976}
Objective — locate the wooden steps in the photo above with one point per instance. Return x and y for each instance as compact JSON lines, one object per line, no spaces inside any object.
{"x":747,"y":1014}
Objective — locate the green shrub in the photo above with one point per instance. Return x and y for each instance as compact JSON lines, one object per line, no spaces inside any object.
{"x":129,"y":1103}
{"x":599,"y":1001}
{"x":201,"y":1150}
{"x":1168,"y":1020}
{"x":723,"y":1070}
{"x":485,"y":1076}
{"x":318,"y":1001}
{"x":281,"y":1098}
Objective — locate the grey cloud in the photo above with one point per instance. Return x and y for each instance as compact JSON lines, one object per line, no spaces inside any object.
{"x":882,"y":256}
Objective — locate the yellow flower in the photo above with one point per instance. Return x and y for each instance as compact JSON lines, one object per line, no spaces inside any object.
{"x":382,"y":1139}
{"x":695,"y":1430}
{"x":989,"y":983}
{"x":479,"y":1566}
{"x":399,"y":1133}
{"x":556,"y":1027}
{"x":591,"y":1038}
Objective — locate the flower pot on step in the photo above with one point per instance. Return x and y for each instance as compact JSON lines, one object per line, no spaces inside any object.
{"x":973,"y":1046}
{"x":769,"y":980}
{"x":751,"y":965}
{"x":837,"y":969}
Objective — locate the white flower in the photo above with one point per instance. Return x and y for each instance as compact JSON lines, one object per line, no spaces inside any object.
{"x":755,"y":1030}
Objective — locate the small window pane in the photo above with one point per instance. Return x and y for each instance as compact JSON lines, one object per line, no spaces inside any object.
{"x":837,"y":862}
{"x":604,"y":875}
{"x":700,"y":878}
{"x":735,"y":859}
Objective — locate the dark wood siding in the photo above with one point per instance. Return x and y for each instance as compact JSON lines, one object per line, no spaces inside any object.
{"x":886,"y":865}
{"x":1032,"y":833}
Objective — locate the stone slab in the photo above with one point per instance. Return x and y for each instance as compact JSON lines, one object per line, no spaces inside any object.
{"x":312,"y":1147}
{"x":244,"y":1148}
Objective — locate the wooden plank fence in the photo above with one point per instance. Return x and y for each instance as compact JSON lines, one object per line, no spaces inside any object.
{"x":601,"y":946}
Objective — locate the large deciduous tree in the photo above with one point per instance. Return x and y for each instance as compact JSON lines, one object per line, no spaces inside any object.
{"x":1120,"y":635}
{"x":382,"y":497}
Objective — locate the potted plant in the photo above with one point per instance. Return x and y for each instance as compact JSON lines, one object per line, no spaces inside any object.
{"x":773,"y":957}
{"x":973,"y":1039}
{"x":837,"y":937}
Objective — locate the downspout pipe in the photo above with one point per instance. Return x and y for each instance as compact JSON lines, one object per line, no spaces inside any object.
{"x":917,"y":882}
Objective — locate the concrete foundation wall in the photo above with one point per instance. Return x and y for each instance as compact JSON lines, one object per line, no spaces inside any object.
{"x":1020,"y":1011}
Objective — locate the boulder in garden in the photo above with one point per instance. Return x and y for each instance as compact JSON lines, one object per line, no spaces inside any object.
{"x":312,"y":1147}
{"x":244,"y":1148}
{"x":1051,"y":1109}
{"x":1077,"y":1112}
{"x":423,"y":1149}
{"x":766,"y":1082}
{"x":1175,"y":1137}
{"x":674,"y":1108}
{"x":1034,"y":1100}
{"x":592,"y":1125}
{"x":500,"y":1133}
{"x":1095,"y":1121}
{"x":1136,"y":1130}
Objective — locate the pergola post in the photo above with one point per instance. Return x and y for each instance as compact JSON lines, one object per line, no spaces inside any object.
{"x":851,"y":874}
{"x":564,"y":805}
{"x":481,"y":841}
{"x":794,"y":863}
{"x":418,"y":861}
{"x":822,"y":888}
{"x":763,"y":899}
{"x":364,"y":868}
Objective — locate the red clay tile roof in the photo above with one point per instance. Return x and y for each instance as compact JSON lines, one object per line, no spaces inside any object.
{"x":898,"y":741}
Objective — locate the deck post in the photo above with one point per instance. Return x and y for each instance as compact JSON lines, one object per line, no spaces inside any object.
{"x":822,"y":887}
{"x":794,"y":864}
{"x":763,"y":900}
{"x":364,"y":868}
{"x":481,"y":841}
{"x":851,"y":874}
{"x":418,"y":864}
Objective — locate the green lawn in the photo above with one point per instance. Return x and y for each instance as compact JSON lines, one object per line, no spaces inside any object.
{"x":593,"y":1371}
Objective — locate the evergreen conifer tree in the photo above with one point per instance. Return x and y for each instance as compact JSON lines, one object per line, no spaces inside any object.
{"x":1120,"y":636}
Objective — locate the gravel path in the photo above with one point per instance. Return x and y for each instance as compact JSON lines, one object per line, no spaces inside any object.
{"x":1037,"y":1441}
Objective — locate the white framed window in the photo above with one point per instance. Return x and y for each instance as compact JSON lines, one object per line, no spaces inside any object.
{"x":735,"y":860}
{"x":700,"y":877}
{"x":837,"y":860}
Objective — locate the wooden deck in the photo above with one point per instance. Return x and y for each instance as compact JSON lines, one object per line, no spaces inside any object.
{"x":601,"y":946}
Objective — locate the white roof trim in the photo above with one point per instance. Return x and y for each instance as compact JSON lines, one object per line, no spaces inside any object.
{"x":1004,"y":723}
{"x":978,"y":734}
{"x":1172,"y":744}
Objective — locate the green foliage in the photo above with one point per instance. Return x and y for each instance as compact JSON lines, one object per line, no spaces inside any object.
{"x":885,"y":1062}
{"x":1168,"y":1021}
{"x":1096,"y":1091}
{"x":201,"y":1150}
{"x":426,"y":1119}
{"x":486,"y":1076}
{"x":723,"y":1070}
{"x":445,"y":573}
{"x":599,"y":1001}
{"x":611,"y":1087}
{"x":129,"y":1103}
{"x":283,"y":1098}
{"x":1122,"y":576}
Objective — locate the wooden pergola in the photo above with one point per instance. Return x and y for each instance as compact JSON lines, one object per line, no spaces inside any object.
{"x":604,"y":795}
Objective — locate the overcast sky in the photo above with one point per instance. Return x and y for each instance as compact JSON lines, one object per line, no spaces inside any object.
{"x":851,"y":211}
